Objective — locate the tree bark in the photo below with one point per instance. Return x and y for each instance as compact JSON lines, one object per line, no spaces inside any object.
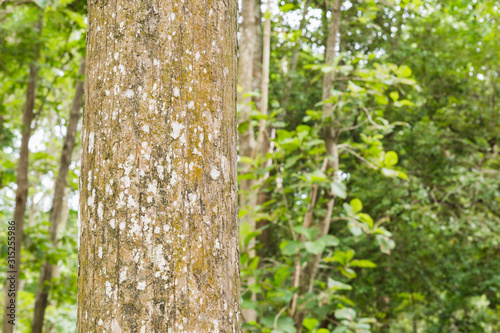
{"x":22,"y":183}
{"x":158,"y":186}
{"x":263,"y":145}
{"x":247,"y":143}
{"x":257,"y":55}
{"x":42,"y":295}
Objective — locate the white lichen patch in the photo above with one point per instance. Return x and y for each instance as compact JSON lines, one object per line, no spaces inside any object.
{"x":109,"y":290}
{"x":191,"y":105}
{"x":176,"y":129}
{"x":174,"y":178}
{"x":131,"y":202}
{"x":123,"y":274}
{"x":214,"y":173}
{"x":141,"y":285}
{"x":100,"y":252}
{"x":152,"y":187}
{"x":129,"y":93}
{"x":177,"y":92}
{"x":109,"y":191}
{"x":91,"y":143}
{"x":145,"y":128}
{"x":158,"y":258}
{"x":90,"y":200}
{"x":99,"y":210}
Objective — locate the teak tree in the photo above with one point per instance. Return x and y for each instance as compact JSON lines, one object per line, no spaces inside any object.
{"x":158,"y":189}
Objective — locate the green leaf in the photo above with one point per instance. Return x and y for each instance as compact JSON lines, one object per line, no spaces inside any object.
{"x":402,"y":175}
{"x":343,"y":257}
{"x":355,"y":89}
{"x":314,"y":143}
{"x":356,"y":205}
{"x":308,"y":233}
{"x":404,"y":71}
{"x":281,"y":275}
{"x":303,"y":128}
{"x":310,"y":323}
{"x":337,"y":285}
{"x":339,"y":189}
{"x":355,"y":230}
{"x":254,"y":263}
{"x":362,"y":263}
{"x":390,"y":158}
{"x":403,"y":102}
{"x":382,"y":100}
{"x":246,"y":159}
{"x":394,"y":95}
{"x":291,"y":247}
{"x":78,"y":18}
{"x":287,"y":7}
{"x":322,"y":330}
{"x":365,"y":218}
{"x":345,"y":313}
{"x":329,"y":240}
{"x":245,"y":230}
{"x":255,"y":288}
{"x":315,"y":247}
{"x":315,"y":177}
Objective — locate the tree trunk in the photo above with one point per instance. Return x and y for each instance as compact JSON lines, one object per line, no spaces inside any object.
{"x":309,"y":272}
{"x":247,"y":143}
{"x":257,"y":55}
{"x":158,"y":186}
{"x":42,"y":295}
{"x":263,"y":144}
{"x":22,"y":188}
{"x":294,"y":60}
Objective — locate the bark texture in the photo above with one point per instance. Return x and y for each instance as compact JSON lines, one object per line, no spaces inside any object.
{"x":158,"y":187}
{"x":22,"y":180}
{"x":46,"y":274}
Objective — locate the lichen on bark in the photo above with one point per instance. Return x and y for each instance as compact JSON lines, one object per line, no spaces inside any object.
{"x":158,"y":191}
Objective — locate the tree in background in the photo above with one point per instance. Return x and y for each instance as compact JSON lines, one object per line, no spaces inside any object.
{"x":47,"y":272}
{"x":22,"y":176}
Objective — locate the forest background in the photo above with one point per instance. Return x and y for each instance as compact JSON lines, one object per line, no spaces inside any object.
{"x":368,"y":162}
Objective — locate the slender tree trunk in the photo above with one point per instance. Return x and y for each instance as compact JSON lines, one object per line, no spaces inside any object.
{"x":32,"y":211}
{"x":263,"y":144}
{"x":245,"y":74}
{"x":257,"y":55}
{"x":308,"y":274}
{"x":22,"y":186}
{"x":42,"y":295}
{"x":158,"y":186}
{"x":247,"y":143}
{"x":294,"y":59}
